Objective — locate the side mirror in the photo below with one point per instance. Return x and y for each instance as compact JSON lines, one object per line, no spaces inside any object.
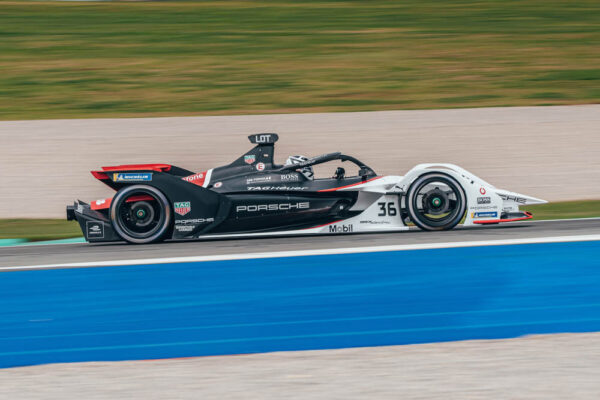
{"x":340,"y":173}
{"x":364,"y":172}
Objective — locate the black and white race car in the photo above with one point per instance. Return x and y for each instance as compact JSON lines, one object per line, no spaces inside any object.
{"x":254,"y":196}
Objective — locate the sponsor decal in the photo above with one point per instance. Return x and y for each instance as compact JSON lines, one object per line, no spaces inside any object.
{"x":484,"y":200}
{"x":188,"y":225}
{"x":262,"y":138}
{"x":376,"y":222}
{"x":516,"y":199}
{"x":79,"y":208}
{"x":273,"y":207}
{"x":258,"y":179}
{"x":249,"y":159}
{"x":182,"y":207}
{"x":340,"y":228}
{"x":482,"y":190}
{"x":194,"y":221}
{"x":484,"y":208}
{"x":197,"y":179}
{"x":94,"y":229}
{"x":260,"y":166}
{"x":484,"y":214}
{"x":132,"y":176}
{"x":400,"y":188}
{"x":290,"y":177}
{"x":100,"y":204}
{"x":218,"y":185}
{"x":250,"y":188}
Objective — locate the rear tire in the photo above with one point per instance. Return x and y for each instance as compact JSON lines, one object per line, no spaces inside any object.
{"x":436,"y":202}
{"x":141,"y":214}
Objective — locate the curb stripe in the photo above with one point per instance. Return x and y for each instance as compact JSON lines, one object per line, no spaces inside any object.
{"x":299,"y":253}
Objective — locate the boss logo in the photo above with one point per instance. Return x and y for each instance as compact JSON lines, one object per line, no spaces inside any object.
{"x":290,"y":177}
{"x":484,"y":200}
{"x":273,"y":207}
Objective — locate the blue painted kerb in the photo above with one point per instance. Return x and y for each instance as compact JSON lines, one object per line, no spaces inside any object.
{"x":298,"y":303}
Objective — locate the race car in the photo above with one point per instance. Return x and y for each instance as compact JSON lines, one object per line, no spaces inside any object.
{"x":254,"y":196}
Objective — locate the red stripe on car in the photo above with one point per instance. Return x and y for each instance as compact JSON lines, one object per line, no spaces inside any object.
{"x":496,"y":221}
{"x":103,"y":204}
{"x":196,"y":179}
{"x":347,"y":186}
{"x":138,"y":167}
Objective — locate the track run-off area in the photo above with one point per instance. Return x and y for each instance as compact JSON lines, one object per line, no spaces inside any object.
{"x":81,"y":302}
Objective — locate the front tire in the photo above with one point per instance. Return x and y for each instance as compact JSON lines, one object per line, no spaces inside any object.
{"x":141,"y":214}
{"x":436,"y":202}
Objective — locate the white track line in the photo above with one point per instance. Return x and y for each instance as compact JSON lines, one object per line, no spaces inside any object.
{"x":297,"y":253}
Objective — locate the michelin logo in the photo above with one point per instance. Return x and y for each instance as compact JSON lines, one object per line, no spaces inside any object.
{"x":484,"y":214}
{"x":132,"y":177}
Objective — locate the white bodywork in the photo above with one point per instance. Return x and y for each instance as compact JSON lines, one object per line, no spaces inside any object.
{"x":389,"y":190}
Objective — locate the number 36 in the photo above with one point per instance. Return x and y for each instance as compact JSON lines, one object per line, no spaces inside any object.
{"x":387,"y":209}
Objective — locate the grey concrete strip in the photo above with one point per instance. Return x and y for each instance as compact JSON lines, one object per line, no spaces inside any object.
{"x":546,"y":367}
{"x":547,"y":152}
{"x":74,"y":253}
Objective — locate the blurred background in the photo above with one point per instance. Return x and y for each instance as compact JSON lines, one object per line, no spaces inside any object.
{"x":135,"y":59}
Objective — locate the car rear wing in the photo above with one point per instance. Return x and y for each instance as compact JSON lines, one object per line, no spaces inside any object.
{"x":116,"y":176}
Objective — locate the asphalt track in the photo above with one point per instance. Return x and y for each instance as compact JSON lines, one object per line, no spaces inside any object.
{"x":81,"y":253}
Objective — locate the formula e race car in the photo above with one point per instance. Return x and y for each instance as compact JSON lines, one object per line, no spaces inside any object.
{"x":254,"y":196}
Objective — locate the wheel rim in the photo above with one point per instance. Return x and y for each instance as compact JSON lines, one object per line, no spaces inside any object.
{"x":140,"y":214}
{"x":437,"y":202}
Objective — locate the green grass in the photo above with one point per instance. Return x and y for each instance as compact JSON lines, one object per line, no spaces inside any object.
{"x":106,"y":59}
{"x":565,"y":209}
{"x":38,"y":229}
{"x":50,"y":229}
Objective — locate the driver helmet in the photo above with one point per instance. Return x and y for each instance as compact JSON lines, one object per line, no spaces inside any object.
{"x":306,"y":171}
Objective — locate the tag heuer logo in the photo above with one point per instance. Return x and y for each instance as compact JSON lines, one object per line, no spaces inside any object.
{"x":249,"y":159}
{"x":183,"y":207}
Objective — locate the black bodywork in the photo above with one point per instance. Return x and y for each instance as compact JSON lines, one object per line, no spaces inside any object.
{"x":252,"y":194}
